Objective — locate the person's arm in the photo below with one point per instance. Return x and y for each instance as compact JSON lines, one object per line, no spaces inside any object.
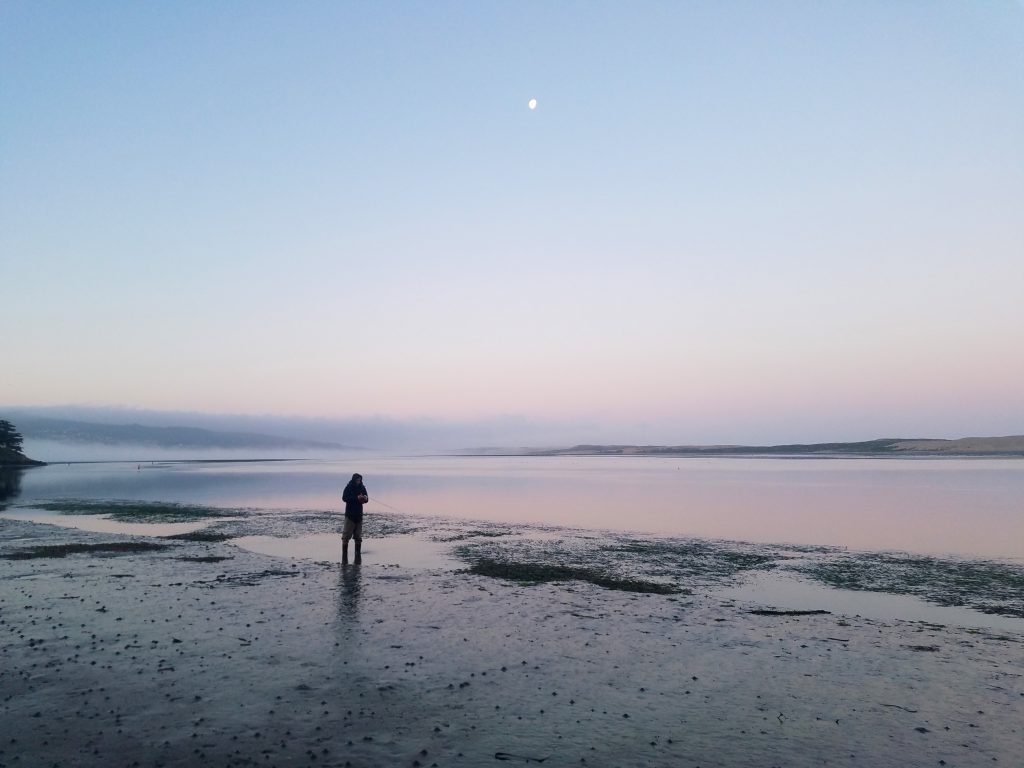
{"x":348,"y":495}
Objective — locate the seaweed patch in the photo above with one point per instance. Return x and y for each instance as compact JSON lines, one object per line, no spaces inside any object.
{"x":986,"y":586}
{"x":138,"y":511}
{"x":634,"y":563}
{"x":473,"y":535}
{"x":63,"y":550}
{"x":204,"y":536}
{"x":538,"y":573}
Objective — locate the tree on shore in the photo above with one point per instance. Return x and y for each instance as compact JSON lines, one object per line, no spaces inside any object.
{"x":10,"y":438}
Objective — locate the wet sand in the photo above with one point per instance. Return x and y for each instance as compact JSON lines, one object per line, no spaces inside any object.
{"x":209,"y":653}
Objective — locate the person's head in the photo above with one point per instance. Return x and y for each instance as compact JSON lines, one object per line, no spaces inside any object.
{"x":357,"y":478}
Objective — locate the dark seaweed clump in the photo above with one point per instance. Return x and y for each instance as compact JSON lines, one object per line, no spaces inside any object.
{"x":473,"y":535}
{"x":201,"y":536}
{"x":989,"y":587}
{"x":292,"y":523}
{"x":690,"y":558}
{"x":619,"y":559}
{"x":138,"y":511}
{"x":63,"y":550}
{"x":537,"y":573}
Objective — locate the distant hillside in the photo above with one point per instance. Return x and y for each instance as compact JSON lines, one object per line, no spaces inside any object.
{"x":68,"y":431}
{"x":893,"y":447}
{"x":969,"y":446}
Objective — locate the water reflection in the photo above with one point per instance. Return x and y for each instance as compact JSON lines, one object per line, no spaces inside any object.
{"x":406,"y":550}
{"x":10,"y":483}
{"x":789,"y":592}
{"x":349,"y":587}
{"x":968,"y":507}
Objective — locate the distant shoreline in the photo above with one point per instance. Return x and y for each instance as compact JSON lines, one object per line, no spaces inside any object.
{"x":781,"y":456}
{"x":895,"y":448}
{"x":162,"y":461}
{"x":15,"y":460}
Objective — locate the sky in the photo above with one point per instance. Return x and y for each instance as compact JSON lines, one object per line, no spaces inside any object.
{"x":723,"y":222}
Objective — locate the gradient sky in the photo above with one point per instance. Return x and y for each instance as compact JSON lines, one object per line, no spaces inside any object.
{"x":724,"y":222}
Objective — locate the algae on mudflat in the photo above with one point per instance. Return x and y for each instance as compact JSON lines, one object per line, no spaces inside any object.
{"x":138,"y":511}
{"x":63,"y":550}
{"x":538,"y":573}
{"x":986,"y":586}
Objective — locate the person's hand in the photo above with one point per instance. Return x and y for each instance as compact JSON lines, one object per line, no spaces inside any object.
{"x":363,"y":498}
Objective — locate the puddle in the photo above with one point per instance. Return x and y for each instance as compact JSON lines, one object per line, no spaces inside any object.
{"x":101,"y":524}
{"x":405,"y":550}
{"x":790,"y":593}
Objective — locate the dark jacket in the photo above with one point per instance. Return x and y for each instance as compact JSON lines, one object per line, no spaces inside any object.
{"x":353,"y":509}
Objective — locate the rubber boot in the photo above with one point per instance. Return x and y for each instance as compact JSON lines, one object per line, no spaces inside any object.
{"x":359,"y":551}
{"x":344,"y":552}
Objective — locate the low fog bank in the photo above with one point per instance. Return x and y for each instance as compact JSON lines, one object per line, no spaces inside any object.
{"x":118,"y":432}
{"x":55,"y":452}
{"x":372,"y":434}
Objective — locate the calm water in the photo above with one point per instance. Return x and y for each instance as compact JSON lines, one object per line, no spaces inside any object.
{"x":967,"y":507}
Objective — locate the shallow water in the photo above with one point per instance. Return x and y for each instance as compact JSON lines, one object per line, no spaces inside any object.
{"x":755,"y":573}
{"x":787,"y":592}
{"x":404,"y":550}
{"x":942,"y":506}
{"x":100,"y":524}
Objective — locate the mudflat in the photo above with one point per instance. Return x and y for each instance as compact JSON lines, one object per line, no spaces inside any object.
{"x":196,"y":651}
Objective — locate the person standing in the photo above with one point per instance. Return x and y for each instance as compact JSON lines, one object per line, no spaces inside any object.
{"x":354,"y":496}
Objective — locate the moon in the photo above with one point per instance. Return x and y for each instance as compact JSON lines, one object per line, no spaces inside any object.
{"x":532,"y":104}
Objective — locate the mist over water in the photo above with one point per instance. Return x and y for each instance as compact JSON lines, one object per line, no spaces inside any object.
{"x":369,"y":433}
{"x":948,"y":506}
{"x":54,"y":452}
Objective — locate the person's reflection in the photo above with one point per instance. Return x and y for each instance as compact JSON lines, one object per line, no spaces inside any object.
{"x":10,"y":483}
{"x":348,"y":589}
